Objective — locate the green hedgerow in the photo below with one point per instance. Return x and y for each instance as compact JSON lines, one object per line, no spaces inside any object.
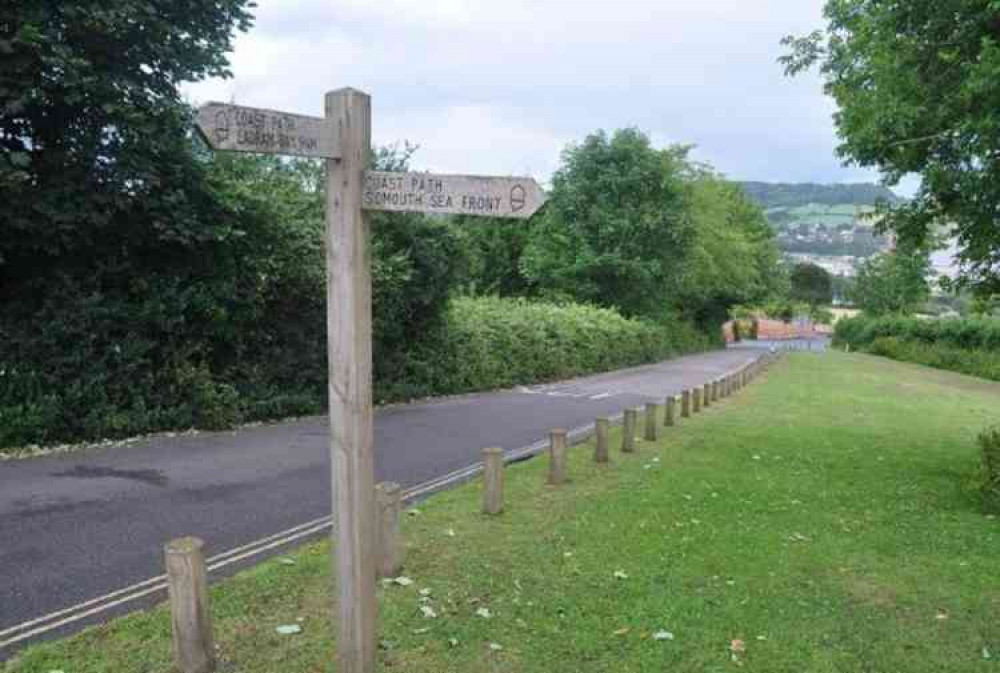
{"x":989,"y":443}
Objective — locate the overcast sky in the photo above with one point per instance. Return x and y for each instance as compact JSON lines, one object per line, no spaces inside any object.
{"x":502,"y":86}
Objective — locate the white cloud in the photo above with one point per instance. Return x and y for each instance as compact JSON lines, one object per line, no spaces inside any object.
{"x":501,"y":87}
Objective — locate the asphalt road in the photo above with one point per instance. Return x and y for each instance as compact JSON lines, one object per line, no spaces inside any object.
{"x":77,"y":526}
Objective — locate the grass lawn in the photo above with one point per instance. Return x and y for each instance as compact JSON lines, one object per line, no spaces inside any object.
{"x":822,"y":516}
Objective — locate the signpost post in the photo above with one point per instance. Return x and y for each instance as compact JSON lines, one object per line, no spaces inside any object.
{"x":343,"y":139}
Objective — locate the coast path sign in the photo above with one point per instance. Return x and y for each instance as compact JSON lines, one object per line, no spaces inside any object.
{"x":452,"y":194}
{"x":248,"y":129}
{"x":343,"y":138}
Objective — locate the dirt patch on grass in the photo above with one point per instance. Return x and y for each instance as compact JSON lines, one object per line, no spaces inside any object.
{"x":869,"y":591}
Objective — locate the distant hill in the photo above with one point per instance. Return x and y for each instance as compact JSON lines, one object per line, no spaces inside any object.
{"x":789,"y":195}
{"x":825,"y":222}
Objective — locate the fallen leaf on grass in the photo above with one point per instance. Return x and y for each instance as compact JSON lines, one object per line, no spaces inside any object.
{"x":453,"y":642}
{"x":942,"y":614}
{"x":413,"y":512}
{"x":450,"y":532}
{"x":621,"y":632}
{"x":484,"y":613}
{"x":663,"y":635}
{"x":428,"y":612}
{"x":418,"y":632}
{"x":289,"y":629}
{"x":403,"y":581}
{"x":286,"y":561}
{"x":737,"y":646}
{"x":425,"y":592}
{"x":620,"y":575}
{"x":495,"y":647}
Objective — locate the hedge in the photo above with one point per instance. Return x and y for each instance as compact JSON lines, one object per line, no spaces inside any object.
{"x":482,"y":344}
{"x":497,"y":343}
{"x":964,"y":333}
{"x":968,"y":346}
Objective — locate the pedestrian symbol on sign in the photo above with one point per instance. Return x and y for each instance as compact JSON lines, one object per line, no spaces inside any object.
{"x":222,"y":126}
{"x":517,"y":198}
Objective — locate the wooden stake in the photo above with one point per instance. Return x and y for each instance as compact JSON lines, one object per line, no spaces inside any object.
{"x":349,"y":337}
{"x":695,"y":400}
{"x":190,"y":619}
{"x":669,"y":410}
{"x":706,"y":397}
{"x":652,"y":412}
{"x":389,"y":501}
{"x":492,"y":481}
{"x":557,"y":457}
{"x":601,"y":426}
{"x":686,"y":404}
{"x":628,"y":430}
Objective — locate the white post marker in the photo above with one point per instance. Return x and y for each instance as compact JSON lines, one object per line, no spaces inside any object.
{"x":343,"y":138}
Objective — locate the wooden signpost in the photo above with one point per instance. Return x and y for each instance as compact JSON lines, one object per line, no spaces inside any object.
{"x":343,"y":139}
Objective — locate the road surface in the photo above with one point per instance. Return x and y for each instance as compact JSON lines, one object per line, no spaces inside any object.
{"x":81,"y":534}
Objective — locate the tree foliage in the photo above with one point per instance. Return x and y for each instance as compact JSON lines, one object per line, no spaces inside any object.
{"x":733,"y":259}
{"x":93,"y":147}
{"x":811,"y":284}
{"x":616,"y":223}
{"x":650,"y":233}
{"x":893,"y":283}
{"x":917,"y":84}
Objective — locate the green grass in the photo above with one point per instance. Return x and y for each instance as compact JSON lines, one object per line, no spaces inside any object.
{"x":822,"y":516}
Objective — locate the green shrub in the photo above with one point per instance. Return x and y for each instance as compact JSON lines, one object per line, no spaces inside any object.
{"x":966,"y":333}
{"x":989,"y":443}
{"x":968,"y":346}
{"x":114,"y":383}
{"x":497,"y":343}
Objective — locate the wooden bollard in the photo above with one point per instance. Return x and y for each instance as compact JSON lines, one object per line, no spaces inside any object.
{"x":601,"y":426}
{"x":685,"y":404}
{"x":695,"y":399}
{"x":652,"y":409}
{"x":727,"y":385}
{"x":706,"y":395}
{"x":669,"y":409}
{"x":557,"y":457}
{"x":715,"y":390}
{"x":388,"y":550}
{"x":492,"y":481}
{"x":191,"y":621}
{"x":628,"y":430}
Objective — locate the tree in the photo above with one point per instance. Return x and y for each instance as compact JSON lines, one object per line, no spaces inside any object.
{"x":811,"y":284}
{"x":733,"y":259}
{"x":93,"y":148}
{"x":917,"y":84}
{"x":616,"y":225}
{"x":894,"y":282}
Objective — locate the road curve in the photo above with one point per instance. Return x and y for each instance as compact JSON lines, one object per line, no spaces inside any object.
{"x":75,"y":527}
